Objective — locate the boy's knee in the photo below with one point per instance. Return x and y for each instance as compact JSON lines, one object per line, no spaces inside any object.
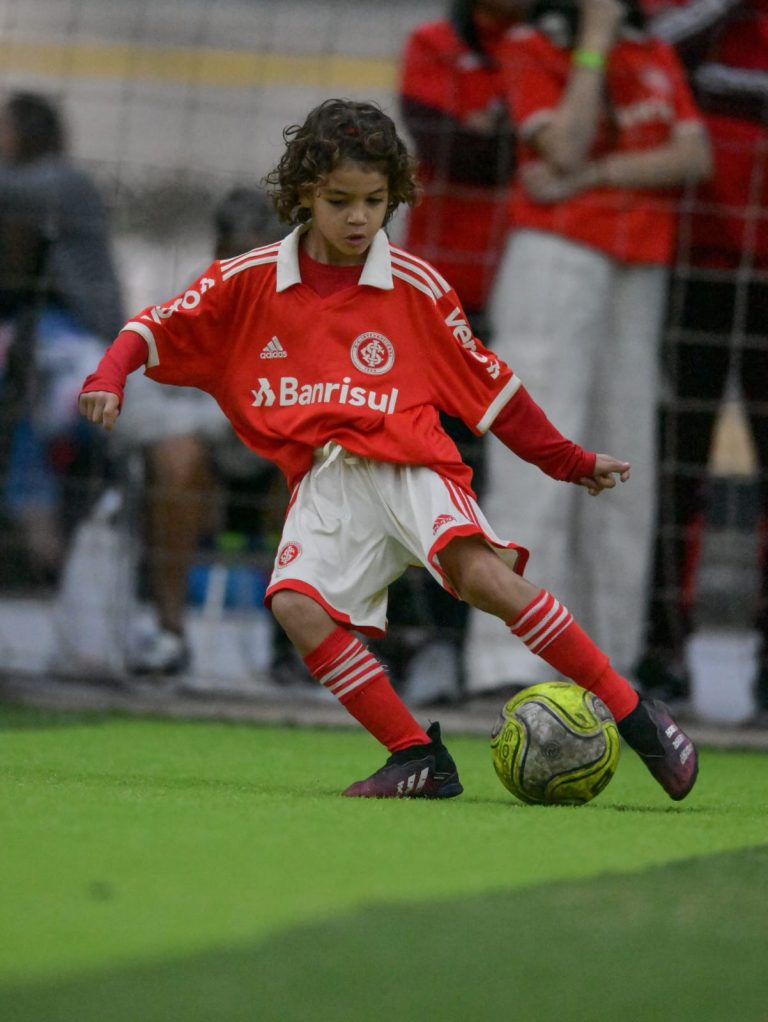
{"x":482,"y":579}
{"x":470,"y":566}
{"x":295,"y":611}
{"x":303,"y":620}
{"x":476,"y":584}
{"x":289,"y":606}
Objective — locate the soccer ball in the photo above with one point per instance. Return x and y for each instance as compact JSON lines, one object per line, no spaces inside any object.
{"x":555,"y":743}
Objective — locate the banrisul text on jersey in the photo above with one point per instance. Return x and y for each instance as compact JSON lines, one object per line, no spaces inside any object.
{"x":291,"y":392}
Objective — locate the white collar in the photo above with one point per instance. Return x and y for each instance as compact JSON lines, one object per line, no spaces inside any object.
{"x":377,"y":270}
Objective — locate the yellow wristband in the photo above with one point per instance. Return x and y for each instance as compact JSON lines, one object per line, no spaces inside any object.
{"x":588,"y":58}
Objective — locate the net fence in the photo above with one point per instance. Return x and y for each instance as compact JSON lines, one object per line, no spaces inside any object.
{"x":170,"y":105}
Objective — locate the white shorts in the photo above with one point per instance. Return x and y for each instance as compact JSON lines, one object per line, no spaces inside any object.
{"x":354,"y":525}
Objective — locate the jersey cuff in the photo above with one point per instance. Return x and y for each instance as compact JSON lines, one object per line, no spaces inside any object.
{"x":508,"y":390}
{"x":153,"y":359}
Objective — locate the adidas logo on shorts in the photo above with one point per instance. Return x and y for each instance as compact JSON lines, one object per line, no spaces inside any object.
{"x":273,"y":349}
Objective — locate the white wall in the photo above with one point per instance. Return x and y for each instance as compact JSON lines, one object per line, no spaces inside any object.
{"x":199,"y":85}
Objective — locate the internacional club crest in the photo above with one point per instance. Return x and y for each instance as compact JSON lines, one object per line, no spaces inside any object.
{"x":288,"y":553}
{"x":373,"y":353}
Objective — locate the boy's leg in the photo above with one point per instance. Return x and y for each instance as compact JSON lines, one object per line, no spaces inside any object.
{"x":548,"y":629}
{"x":419,"y":764}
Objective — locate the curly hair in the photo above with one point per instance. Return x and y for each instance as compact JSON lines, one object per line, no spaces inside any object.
{"x":337,"y":130}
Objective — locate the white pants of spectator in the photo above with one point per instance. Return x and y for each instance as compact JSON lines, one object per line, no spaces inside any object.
{"x":582,"y":332}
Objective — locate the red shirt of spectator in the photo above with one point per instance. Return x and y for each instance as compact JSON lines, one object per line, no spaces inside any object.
{"x":461,"y":224}
{"x":730,"y":218}
{"x":647,"y":97}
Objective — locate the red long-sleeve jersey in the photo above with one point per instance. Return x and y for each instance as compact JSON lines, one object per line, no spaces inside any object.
{"x":369,"y":366}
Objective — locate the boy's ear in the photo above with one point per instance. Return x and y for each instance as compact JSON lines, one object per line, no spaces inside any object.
{"x":306,"y":195}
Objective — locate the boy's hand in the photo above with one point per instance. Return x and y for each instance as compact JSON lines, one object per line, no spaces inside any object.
{"x":100,"y":407}
{"x":605,"y":469}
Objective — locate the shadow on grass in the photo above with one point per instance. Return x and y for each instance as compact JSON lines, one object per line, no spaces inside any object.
{"x":129,"y":781}
{"x":600,"y":807}
{"x":14,"y":717}
{"x":690,"y":936}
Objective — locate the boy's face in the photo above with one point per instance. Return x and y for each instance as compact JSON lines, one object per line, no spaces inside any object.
{"x":348,"y":207}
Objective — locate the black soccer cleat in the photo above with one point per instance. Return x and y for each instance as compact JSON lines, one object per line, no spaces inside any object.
{"x":666,"y":750}
{"x":420,"y":771}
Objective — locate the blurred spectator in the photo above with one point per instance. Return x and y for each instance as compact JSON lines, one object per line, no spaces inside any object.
{"x":453,"y":104}
{"x":182,"y":436}
{"x":608,"y":135}
{"x":718,"y":319}
{"x":59,"y":306}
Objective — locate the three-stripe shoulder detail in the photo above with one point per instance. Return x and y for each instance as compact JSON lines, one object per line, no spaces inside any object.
{"x":256,"y":257}
{"x":414,"y":282}
{"x":411,"y":268}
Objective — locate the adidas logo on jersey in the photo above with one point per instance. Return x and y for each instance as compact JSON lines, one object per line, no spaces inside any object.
{"x":273,"y":349}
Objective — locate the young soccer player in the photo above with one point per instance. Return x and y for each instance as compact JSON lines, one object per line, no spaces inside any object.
{"x":331,"y":353}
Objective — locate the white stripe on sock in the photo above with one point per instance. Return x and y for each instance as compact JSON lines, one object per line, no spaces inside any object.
{"x":556,"y":628}
{"x":372,"y":673}
{"x":542,"y":623}
{"x":351,"y":655}
{"x":532,"y":610}
{"x":356,"y":667}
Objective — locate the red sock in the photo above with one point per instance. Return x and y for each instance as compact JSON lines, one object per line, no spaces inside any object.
{"x":358,"y":680}
{"x":547,"y":628}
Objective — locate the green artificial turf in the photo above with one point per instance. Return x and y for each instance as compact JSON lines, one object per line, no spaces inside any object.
{"x":155,"y":870}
